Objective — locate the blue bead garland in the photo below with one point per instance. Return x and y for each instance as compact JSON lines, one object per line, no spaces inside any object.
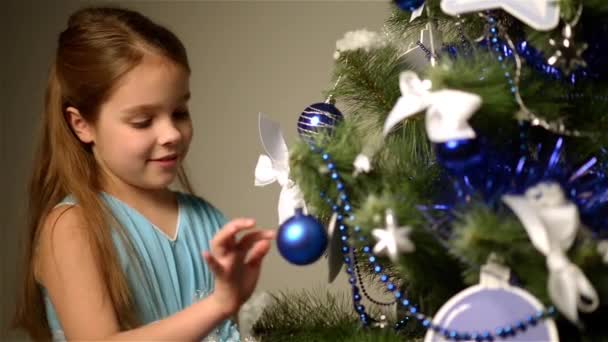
{"x":502,"y":49}
{"x":425,"y":321}
{"x":350,"y":262}
{"x":533,"y":57}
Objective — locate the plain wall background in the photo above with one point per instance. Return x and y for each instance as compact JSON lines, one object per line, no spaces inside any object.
{"x":246,"y":56}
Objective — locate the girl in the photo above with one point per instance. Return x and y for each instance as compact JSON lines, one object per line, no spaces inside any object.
{"x":112,"y":249}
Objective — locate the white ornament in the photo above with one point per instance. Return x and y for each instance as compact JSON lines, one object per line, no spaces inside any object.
{"x":392,"y":240}
{"x":551,"y":222}
{"x":542,"y":15}
{"x":447,"y":110}
{"x":418,"y":59}
{"x":274,"y":167}
{"x":334,"y":254}
{"x":492,"y":303}
{"x":359,"y":39}
{"x":251,"y":311}
{"x":249,"y":339}
{"x":417,"y":12}
{"x":602,"y":249}
{"x":362,"y":164}
{"x":381,"y":323}
{"x":568,"y":55}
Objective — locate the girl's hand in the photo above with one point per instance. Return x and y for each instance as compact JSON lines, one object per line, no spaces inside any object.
{"x":236,"y":263}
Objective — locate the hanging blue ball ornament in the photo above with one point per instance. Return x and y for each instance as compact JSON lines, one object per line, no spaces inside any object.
{"x":409,"y":5}
{"x":459,"y":155}
{"x":301,"y":239}
{"x":318,"y":118}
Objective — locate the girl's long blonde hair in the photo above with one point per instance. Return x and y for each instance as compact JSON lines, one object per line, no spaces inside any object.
{"x":99,"y":46}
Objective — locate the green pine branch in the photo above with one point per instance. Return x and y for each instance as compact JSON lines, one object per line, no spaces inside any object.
{"x":318,"y":316}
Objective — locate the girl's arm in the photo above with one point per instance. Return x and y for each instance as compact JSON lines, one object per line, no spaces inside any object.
{"x":70,"y":273}
{"x":190,"y":324}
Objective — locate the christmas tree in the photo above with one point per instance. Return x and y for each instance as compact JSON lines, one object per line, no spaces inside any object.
{"x":465,"y":172}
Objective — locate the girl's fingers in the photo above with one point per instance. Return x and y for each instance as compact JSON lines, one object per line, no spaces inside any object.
{"x":225,"y":238}
{"x":250,"y":249}
{"x":250,"y":239}
{"x":212,"y":262}
{"x":257,"y":253}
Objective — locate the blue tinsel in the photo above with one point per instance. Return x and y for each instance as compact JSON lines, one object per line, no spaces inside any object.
{"x":514,"y":167}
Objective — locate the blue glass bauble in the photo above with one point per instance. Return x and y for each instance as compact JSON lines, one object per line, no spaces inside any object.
{"x":409,"y":5}
{"x":318,"y":118}
{"x":459,"y":155}
{"x":301,"y":239}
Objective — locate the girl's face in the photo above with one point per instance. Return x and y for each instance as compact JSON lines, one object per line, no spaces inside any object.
{"x":143,"y":130}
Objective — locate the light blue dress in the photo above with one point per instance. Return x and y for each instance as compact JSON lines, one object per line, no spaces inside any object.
{"x":174,"y":273}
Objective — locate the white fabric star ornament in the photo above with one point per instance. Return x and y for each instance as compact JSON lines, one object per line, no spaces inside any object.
{"x":541,"y":15}
{"x":392,"y":240}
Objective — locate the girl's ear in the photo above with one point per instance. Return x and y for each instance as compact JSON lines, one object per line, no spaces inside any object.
{"x":84,"y":131}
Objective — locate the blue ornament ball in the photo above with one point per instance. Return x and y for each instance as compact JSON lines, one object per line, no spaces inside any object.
{"x":459,"y":155}
{"x":318,"y":118}
{"x":409,"y":5}
{"x":301,"y":239}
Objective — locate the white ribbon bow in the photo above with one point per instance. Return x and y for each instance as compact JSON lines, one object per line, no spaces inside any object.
{"x":274,"y":167}
{"x":447,"y":110}
{"x":551,"y":222}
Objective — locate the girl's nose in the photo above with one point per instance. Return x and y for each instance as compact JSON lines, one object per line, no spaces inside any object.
{"x":169,"y":133}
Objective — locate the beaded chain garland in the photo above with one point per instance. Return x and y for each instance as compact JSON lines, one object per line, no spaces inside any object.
{"x":343,"y":209}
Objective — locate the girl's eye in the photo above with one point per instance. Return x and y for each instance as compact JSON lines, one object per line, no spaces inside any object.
{"x":141,"y":124}
{"x":183,"y":114}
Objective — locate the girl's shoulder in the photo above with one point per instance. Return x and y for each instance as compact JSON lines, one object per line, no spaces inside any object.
{"x":62,"y":229}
